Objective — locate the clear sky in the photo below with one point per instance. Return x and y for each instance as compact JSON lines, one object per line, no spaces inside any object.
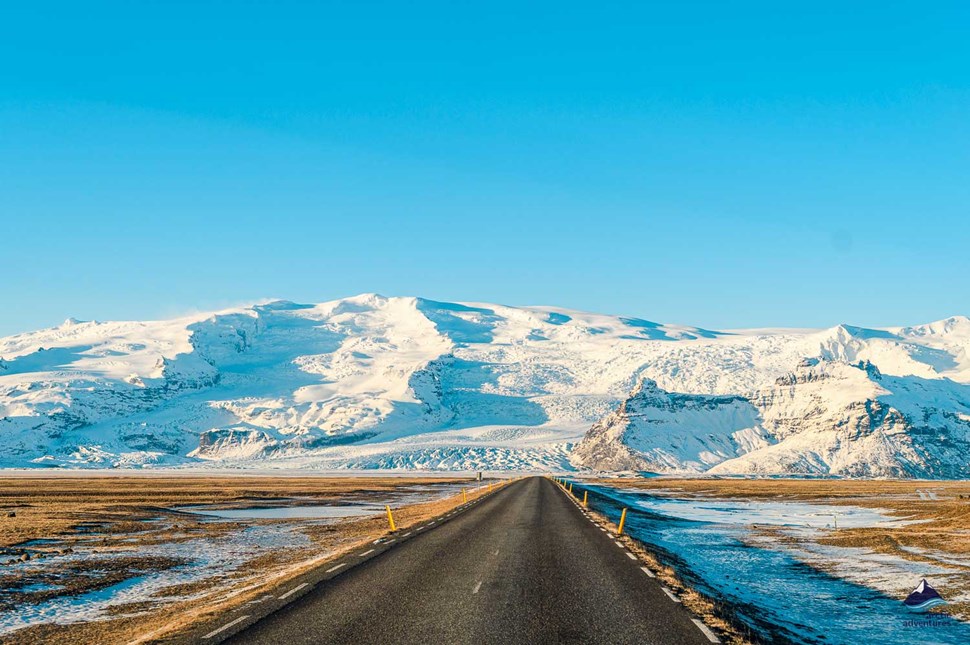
{"x":724,"y":164}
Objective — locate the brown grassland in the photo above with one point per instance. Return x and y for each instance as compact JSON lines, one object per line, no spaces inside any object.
{"x":107,"y":515}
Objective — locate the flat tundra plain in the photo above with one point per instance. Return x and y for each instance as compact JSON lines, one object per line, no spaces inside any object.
{"x":125,"y":559}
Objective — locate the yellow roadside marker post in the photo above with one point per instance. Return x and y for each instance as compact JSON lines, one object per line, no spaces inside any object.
{"x":585,"y":499}
{"x":464,"y":496}
{"x":619,"y":531}
{"x":490,"y":487}
{"x":390,"y":518}
{"x":570,"y":488}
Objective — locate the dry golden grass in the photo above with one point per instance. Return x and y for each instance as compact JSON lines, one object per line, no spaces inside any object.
{"x":54,"y":507}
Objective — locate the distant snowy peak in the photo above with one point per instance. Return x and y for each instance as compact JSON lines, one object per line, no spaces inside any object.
{"x":937,"y":349}
{"x":955,"y":326}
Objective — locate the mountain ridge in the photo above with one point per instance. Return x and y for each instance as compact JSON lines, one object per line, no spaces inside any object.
{"x":406,"y":382}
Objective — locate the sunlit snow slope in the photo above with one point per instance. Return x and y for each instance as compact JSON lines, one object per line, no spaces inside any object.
{"x":374,"y":382}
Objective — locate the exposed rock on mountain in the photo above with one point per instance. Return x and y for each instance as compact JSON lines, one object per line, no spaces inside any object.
{"x":827,"y":417}
{"x":660,"y":431}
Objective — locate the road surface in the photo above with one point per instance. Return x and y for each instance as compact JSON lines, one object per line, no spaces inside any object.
{"x":523,"y":565}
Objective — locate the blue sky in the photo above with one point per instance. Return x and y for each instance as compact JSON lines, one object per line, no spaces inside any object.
{"x":709,"y":163}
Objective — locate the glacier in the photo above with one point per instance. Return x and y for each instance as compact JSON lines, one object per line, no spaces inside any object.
{"x":412,"y":383}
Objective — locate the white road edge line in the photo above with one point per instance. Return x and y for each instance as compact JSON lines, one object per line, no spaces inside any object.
{"x":711,"y":636}
{"x":477,"y":587}
{"x":225,"y":627}
{"x":366,"y":553}
{"x":631,"y":556}
{"x":293,"y":591}
{"x":406,"y":534}
{"x":670,"y":594}
{"x":332,"y":569}
{"x":648,"y":572}
{"x":391,"y":541}
{"x":618,"y":544}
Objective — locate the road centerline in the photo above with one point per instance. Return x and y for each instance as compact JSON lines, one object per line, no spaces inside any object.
{"x":522,"y":539}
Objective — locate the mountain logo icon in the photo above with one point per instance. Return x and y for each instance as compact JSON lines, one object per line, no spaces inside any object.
{"x":923,"y":597}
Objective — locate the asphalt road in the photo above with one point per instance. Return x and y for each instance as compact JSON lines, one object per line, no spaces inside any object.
{"x":524,"y":565}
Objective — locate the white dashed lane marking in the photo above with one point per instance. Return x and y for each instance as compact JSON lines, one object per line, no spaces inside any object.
{"x":366,"y":553}
{"x":670,"y":594}
{"x":648,"y":572}
{"x":225,"y":627}
{"x":711,"y":636}
{"x":332,"y":569}
{"x":631,"y":556}
{"x":293,"y":591}
{"x":259,"y":600}
{"x":477,"y":587}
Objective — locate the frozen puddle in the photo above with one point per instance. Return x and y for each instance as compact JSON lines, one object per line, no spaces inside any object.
{"x":285,"y":512}
{"x":793,"y":590}
{"x":783,"y":514}
{"x":405,"y":495}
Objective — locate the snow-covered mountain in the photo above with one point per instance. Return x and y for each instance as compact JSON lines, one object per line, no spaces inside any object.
{"x":413,"y":383}
{"x":660,"y":431}
{"x":826,"y":417}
